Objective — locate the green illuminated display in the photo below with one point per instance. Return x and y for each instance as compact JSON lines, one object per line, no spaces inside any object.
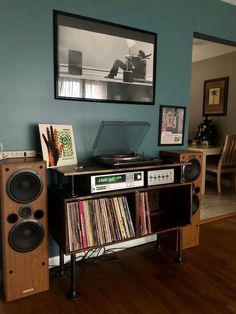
{"x":110,"y":179}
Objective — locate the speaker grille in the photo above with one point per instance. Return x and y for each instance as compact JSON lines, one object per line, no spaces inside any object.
{"x":24,"y":186}
{"x":191,"y":172}
{"x":26,"y":236}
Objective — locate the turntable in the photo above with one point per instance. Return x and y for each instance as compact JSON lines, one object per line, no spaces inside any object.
{"x":117,"y":142}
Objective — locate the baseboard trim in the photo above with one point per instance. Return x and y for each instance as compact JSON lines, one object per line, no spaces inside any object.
{"x":55,"y":260}
{"x":204,"y":221}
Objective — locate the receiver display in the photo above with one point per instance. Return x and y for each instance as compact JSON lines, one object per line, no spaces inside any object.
{"x":116,"y":181}
{"x":110,"y":179}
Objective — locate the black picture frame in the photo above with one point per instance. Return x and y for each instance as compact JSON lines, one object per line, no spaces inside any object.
{"x":215,"y":97}
{"x":85,"y":50}
{"x":171,"y":125}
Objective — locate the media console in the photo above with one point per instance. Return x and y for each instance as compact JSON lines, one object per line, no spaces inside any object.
{"x":94,"y":206}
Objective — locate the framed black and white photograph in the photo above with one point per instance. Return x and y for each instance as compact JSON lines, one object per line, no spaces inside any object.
{"x":171,"y":125}
{"x":101,"y":61}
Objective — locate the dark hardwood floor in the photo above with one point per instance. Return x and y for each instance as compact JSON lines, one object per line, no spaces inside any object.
{"x":144,"y":280}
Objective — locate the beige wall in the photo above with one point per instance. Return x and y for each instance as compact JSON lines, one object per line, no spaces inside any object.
{"x":216,"y":67}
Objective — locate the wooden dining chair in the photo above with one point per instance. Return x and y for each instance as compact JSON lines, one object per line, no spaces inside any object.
{"x":226,"y":163}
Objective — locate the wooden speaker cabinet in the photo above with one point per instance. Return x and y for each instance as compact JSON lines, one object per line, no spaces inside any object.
{"x":190,"y":173}
{"x":23,"y":193}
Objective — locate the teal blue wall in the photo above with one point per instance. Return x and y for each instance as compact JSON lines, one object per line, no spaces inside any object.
{"x":26,"y":64}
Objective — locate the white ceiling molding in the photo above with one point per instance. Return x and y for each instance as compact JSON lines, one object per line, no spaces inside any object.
{"x":233,"y":2}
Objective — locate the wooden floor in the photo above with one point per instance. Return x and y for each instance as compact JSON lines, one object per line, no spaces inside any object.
{"x":144,"y":280}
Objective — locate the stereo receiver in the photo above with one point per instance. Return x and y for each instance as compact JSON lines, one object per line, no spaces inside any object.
{"x":116,"y":181}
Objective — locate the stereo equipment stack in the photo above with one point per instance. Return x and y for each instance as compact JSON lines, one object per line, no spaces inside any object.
{"x":24,"y":231}
{"x":191,"y":172}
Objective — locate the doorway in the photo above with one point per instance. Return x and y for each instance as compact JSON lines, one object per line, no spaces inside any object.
{"x":213,"y":58}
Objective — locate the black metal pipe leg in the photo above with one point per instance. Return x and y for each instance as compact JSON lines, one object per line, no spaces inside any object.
{"x":158,"y":243}
{"x":73,"y":294}
{"x":179,"y":258}
{"x":61,"y":267}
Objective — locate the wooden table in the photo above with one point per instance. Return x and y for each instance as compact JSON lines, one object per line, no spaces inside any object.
{"x":206,"y":151}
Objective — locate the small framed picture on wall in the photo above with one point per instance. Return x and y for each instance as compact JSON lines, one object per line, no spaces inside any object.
{"x":171,"y":125}
{"x":215,"y":97}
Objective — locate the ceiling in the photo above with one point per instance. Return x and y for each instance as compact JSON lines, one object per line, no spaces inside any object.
{"x":230,"y":1}
{"x":203,"y":49}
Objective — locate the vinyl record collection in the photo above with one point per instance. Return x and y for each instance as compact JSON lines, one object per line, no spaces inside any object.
{"x":145,"y":223}
{"x":98,"y":221}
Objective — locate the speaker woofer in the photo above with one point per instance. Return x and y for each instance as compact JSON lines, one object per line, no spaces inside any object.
{"x":191,"y":172}
{"x":26,"y":236}
{"x":195,"y":204}
{"x":24,"y":186}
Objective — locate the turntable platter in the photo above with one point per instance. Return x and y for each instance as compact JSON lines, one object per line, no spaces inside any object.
{"x":122,"y":157}
{"x":127,"y":160}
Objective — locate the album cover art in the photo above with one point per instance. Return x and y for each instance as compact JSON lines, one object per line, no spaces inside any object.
{"x":58,"y":145}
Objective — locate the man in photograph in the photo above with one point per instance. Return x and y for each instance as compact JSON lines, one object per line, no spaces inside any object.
{"x":134,"y":64}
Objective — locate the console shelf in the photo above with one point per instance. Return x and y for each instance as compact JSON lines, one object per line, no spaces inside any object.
{"x":80,"y":220}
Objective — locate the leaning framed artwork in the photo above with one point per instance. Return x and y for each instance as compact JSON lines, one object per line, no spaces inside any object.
{"x":215,"y":97}
{"x":58,"y":145}
{"x":171,"y":125}
{"x":101,"y":61}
